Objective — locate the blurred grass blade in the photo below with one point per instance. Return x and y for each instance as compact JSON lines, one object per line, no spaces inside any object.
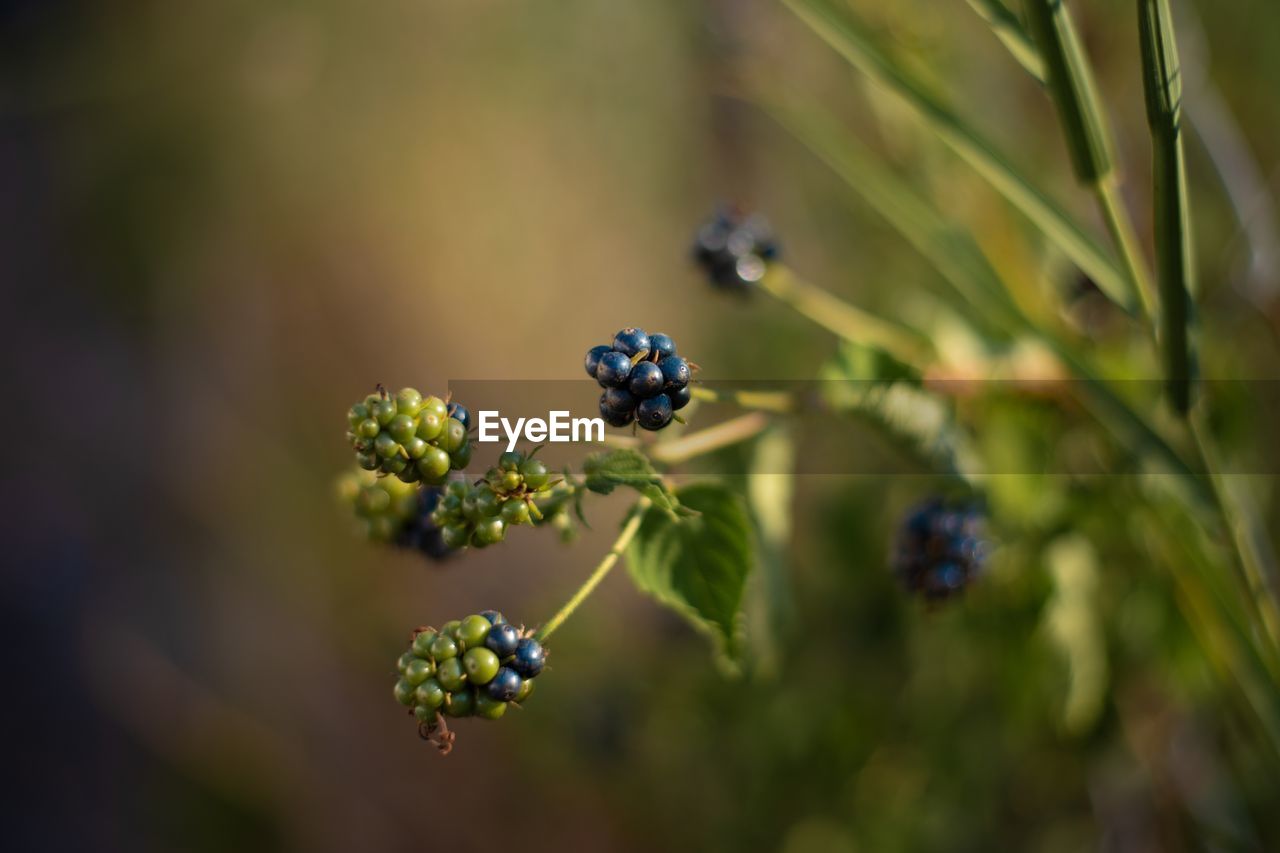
{"x":1006,"y":26}
{"x":949,"y":248}
{"x":1075,"y":95}
{"x":1162,"y":84}
{"x":960,"y":261}
{"x":770,"y":496}
{"x":1073,"y":89}
{"x":855,"y":45}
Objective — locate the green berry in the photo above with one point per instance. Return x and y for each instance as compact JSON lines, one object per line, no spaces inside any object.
{"x":429,"y":427}
{"x":526,"y":690}
{"x":460,"y":704}
{"x":368,"y":428}
{"x":454,"y":437}
{"x":434,"y":407}
{"x":396,"y":464}
{"x":489,"y":532}
{"x":423,"y":713}
{"x":534,"y":473}
{"x":450,"y":629}
{"x":487,"y":707}
{"x":481,"y":665}
{"x":404,"y":661}
{"x":461,"y":458}
{"x":419,"y":671}
{"x":434,"y":465}
{"x":367,"y":461}
{"x":443,"y":648}
{"x":404,"y":692}
{"x":408,"y":401}
{"x":515,"y":512}
{"x":384,"y":411}
{"x":430,"y":694}
{"x":422,"y":643}
{"x":473,"y":630}
{"x":402,"y":428}
{"x":486,"y":503}
{"x":451,"y":675}
{"x":455,"y":535}
{"x":356,"y":414}
{"x":385,"y":446}
{"x":416,"y":447}
{"x":510,"y":460}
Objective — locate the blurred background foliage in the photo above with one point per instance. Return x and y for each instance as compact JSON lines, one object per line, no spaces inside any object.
{"x":225,"y":221}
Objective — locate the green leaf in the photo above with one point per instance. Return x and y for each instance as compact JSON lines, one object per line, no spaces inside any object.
{"x":698,"y":566}
{"x":607,"y":470}
{"x":852,"y":41}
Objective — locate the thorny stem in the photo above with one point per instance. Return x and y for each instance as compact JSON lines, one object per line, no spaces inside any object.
{"x":601,"y":571}
{"x":844,"y":320}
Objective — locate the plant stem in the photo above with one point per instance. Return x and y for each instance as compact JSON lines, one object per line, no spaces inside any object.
{"x":733,"y":431}
{"x":1251,"y":551}
{"x":778,"y":402}
{"x":844,"y":320}
{"x":601,"y":571}
{"x":1120,"y":227}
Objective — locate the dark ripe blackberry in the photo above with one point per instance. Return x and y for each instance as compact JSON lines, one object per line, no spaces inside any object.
{"x":675,"y":372}
{"x":646,"y":379}
{"x":941,"y":548}
{"x":616,"y":418}
{"x":459,"y":412}
{"x":631,"y":341}
{"x":614,"y":370}
{"x":655,"y":412}
{"x":680,"y":397}
{"x":529,"y":658}
{"x":421,"y":533}
{"x":734,"y":248}
{"x":617,"y":406}
{"x":506,"y":685}
{"x":592,"y":361}
{"x":662,"y":345}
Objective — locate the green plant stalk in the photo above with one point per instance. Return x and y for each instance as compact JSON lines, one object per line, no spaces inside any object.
{"x":853,"y":43}
{"x":778,"y":402}
{"x":844,"y":320}
{"x":704,"y":441}
{"x":601,"y":571}
{"x":1070,"y":82}
{"x":1162,"y":86}
{"x":1255,"y":562}
{"x":1008,"y":29}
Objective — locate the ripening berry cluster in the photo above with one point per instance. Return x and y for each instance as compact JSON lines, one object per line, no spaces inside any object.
{"x":735,"y":249}
{"x":418,"y":439}
{"x":644,"y":381}
{"x":473,"y":667}
{"x":383,"y":506}
{"x":479,"y":514}
{"x":941,"y":548}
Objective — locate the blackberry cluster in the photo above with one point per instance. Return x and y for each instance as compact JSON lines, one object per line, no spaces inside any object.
{"x":421,"y":533}
{"x":418,"y":439}
{"x":383,"y":506}
{"x":735,"y":248}
{"x":479,"y":514}
{"x":644,"y":381}
{"x":474,"y":667}
{"x":941,"y":548}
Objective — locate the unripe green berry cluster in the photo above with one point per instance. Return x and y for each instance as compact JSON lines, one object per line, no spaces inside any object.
{"x":383,"y":506}
{"x":473,"y":667}
{"x":408,"y":435}
{"x":479,"y":514}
